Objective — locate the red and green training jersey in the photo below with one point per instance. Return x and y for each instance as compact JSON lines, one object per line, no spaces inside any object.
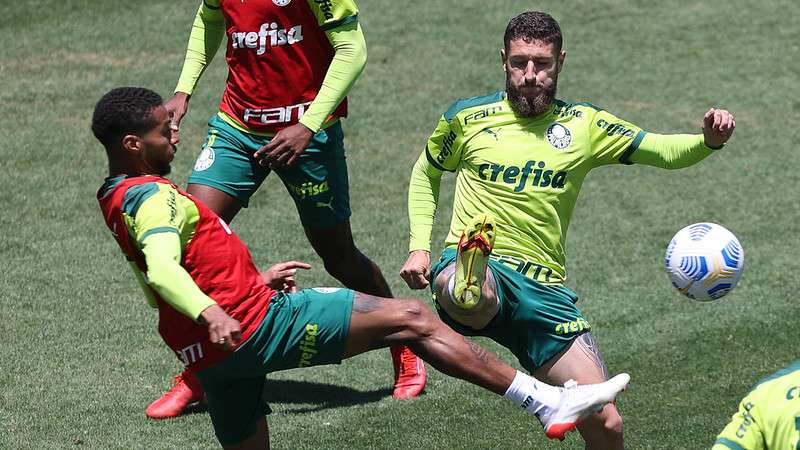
{"x":277,"y":57}
{"x":219,"y":263}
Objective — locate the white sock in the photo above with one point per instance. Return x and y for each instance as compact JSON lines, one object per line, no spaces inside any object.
{"x":531,"y":394}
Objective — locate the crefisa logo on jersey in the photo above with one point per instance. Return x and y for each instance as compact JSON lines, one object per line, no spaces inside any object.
{"x":281,"y":2}
{"x":205,"y":159}
{"x":559,"y":136}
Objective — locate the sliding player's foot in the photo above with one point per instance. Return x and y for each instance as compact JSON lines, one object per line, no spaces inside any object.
{"x":185,"y":391}
{"x":578,"y":402}
{"x":409,"y":373}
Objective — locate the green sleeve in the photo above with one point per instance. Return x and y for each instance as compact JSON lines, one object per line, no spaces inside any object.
{"x":151,"y":300}
{"x":204,"y":40}
{"x":670,"y":151}
{"x":159,"y":222}
{"x":423,"y":193}
{"x":348,"y":61}
{"x":612,"y":139}
{"x":332,"y":14}
{"x":443,"y":149}
{"x":166,"y":276}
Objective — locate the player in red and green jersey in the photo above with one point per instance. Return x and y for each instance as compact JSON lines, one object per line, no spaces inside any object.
{"x":290,"y":66}
{"x":230,"y":328}
{"x":520,"y":157}
{"x":768,"y":417}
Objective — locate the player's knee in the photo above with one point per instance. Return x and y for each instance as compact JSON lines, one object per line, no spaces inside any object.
{"x":603,"y":430}
{"x":613,"y":424}
{"x":418,"y":319}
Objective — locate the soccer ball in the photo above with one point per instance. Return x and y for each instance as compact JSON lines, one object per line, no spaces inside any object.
{"x":704,"y":261}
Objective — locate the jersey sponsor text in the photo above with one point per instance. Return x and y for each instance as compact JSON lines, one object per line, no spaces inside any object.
{"x":269,"y":32}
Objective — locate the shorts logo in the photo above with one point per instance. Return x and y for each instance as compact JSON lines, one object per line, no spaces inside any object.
{"x":326,"y":290}
{"x":308,"y":345}
{"x":205,"y":159}
{"x":191,"y":354}
{"x":559,"y":136}
{"x":308,"y":189}
{"x":281,"y":2}
{"x":573,"y":327}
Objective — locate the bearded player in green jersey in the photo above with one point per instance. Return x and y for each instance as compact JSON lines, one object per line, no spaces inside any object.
{"x":520,"y":157}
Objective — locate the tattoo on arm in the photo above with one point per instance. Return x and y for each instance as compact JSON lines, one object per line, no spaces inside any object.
{"x":589,"y":347}
{"x":365,"y":303}
{"x":479,"y":352}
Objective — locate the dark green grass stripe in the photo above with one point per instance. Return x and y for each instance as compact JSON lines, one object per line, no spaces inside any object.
{"x":209,"y":6}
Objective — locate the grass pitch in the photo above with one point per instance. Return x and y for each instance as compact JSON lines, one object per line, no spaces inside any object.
{"x":80,"y":355}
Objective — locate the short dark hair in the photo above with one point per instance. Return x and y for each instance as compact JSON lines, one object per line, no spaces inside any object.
{"x":534,"y":25}
{"x":124,"y":110}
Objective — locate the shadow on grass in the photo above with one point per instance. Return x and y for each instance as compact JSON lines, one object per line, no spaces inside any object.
{"x":318,"y":396}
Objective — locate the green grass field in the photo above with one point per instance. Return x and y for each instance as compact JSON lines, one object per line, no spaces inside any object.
{"x":80,"y":358}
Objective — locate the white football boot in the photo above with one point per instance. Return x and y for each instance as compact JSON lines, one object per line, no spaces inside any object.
{"x":578,"y":402}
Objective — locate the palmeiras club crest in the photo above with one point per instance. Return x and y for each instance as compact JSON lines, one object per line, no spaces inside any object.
{"x":559,"y":136}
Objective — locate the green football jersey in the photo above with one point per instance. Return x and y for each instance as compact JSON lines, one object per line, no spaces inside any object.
{"x":768,"y":417}
{"x":527,"y":172}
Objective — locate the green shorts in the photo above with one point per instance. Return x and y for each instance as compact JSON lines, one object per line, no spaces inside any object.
{"x":308,"y":328}
{"x":317,"y":181}
{"x":535,"y":321}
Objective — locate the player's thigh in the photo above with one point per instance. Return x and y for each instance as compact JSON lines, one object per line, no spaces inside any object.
{"x":378,"y":322}
{"x":226,"y":163}
{"x":236,"y":405}
{"x":581,"y":361}
{"x":318,"y":181}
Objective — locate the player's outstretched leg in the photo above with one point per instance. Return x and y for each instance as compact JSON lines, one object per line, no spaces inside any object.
{"x":345,"y":262}
{"x":185,"y":391}
{"x":377,"y":322}
{"x":474,"y":248}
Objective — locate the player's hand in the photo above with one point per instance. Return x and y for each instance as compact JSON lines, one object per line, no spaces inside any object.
{"x":285,"y":147}
{"x":177,"y":107}
{"x":718,"y":125}
{"x":280,"y":277}
{"x":223,"y":330}
{"x":416,"y":271}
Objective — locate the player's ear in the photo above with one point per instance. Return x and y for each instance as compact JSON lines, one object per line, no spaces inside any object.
{"x":131,"y":143}
{"x":503,"y":57}
{"x":561,"y":58}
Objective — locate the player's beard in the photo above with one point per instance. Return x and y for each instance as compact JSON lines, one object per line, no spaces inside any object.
{"x":525,"y":106}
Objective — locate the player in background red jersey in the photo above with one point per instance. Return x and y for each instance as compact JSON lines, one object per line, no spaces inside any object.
{"x":290,"y":66}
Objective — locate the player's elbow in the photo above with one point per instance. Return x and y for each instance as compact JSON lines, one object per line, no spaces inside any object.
{"x":360,"y":57}
{"x":157,"y":279}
